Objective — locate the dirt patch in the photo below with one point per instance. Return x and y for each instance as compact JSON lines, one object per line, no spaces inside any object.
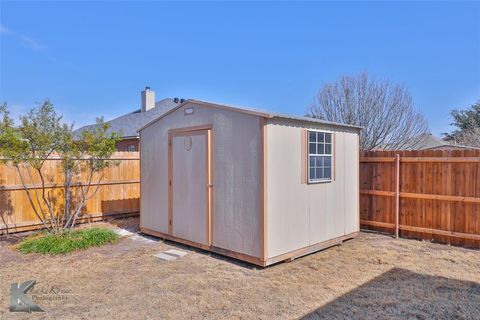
{"x":372,"y":276}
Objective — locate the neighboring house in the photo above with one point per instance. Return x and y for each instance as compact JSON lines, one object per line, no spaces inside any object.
{"x":428,"y":142}
{"x":431,"y":142}
{"x":128,"y":124}
{"x":254,"y":185}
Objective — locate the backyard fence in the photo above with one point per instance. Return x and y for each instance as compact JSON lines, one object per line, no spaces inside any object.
{"x":433,"y":195}
{"x":118,"y":192}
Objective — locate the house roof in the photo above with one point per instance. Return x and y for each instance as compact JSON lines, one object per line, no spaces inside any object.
{"x":129,"y":124}
{"x":257,"y":112}
{"x":428,"y":141}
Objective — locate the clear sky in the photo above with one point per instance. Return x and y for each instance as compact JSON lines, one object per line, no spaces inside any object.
{"x":94,"y":58}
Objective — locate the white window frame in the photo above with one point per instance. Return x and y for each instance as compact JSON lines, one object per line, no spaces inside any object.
{"x":331,"y":154}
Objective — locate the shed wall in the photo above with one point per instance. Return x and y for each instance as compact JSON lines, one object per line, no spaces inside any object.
{"x":301,"y":214}
{"x":236,"y":143}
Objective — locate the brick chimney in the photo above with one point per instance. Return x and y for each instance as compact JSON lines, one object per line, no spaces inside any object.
{"x":148,"y":99}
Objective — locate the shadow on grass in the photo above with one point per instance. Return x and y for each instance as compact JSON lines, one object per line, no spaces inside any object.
{"x":403,"y":294}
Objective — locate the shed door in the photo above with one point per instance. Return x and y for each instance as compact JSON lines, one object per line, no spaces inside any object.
{"x":189,"y":164}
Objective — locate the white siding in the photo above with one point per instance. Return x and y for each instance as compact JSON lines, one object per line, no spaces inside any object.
{"x":301,"y":214}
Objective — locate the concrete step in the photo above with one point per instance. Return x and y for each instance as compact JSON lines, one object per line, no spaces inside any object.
{"x":165,"y":257}
{"x":175,"y":253}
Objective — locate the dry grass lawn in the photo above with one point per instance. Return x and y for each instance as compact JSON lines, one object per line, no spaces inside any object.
{"x":370,"y":277}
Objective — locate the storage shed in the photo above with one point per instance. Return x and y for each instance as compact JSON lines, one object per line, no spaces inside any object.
{"x":256,"y":186}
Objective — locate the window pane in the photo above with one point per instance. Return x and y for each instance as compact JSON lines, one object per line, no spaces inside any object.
{"x":320,"y":148}
{"x":327,"y":173}
{"x":328,"y":149}
{"x":320,"y":158}
{"x":327,"y":161}
{"x":320,"y":137}
{"x":328,"y":137}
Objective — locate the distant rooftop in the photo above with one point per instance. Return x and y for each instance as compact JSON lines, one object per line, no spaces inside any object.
{"x":431,"y":142}
{"x":128,"y":124}
{"x":428,"y":141}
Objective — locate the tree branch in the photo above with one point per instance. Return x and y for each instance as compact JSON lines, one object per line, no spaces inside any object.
{"x":30,"y":199}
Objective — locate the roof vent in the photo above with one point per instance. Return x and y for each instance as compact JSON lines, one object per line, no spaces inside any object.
{"x":182,"y":100}
{"x":175,"y":100}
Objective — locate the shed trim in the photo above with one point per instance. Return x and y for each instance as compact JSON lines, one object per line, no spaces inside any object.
{"x":311,"y":249}
{"x":263,"y":189}
{"x":225,"y":252}
{"x":254,"y":112}
{"x":332,"y":155}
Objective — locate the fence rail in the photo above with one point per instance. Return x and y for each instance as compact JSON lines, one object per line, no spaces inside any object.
{"x":432,"y":195}
{"x":118,"y":193}
{"x":420,"y":194}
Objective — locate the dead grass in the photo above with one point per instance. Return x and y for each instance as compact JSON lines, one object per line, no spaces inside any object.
{"x":373,"y":276}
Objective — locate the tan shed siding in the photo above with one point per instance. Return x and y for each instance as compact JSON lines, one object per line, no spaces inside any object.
{"x":236,"y":182}
{"x":154,"y":187}
{"x":236,"y":170}
{"x":302,"y":214}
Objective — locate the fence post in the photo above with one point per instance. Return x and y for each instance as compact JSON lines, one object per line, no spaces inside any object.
{"x":449,"y":205}
{"x":397,"y":195}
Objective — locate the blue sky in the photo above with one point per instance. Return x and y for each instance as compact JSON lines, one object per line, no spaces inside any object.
{"x":94,"y":58}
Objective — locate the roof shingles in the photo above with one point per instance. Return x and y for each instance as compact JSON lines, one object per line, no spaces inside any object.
{"x":128,"y":124}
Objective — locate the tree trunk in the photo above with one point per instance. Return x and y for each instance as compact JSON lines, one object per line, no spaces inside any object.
{"x":68,"y":178}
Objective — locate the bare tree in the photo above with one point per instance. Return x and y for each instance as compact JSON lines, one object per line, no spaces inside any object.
{"x":469,"y":137}
{"x":384,"y":110}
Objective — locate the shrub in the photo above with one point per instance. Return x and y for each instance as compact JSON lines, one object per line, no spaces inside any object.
{"x":67,"y":241}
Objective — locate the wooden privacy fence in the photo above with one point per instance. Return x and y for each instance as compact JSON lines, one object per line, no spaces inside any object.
{"x":118,"y":192}
{"x":432,"y":195}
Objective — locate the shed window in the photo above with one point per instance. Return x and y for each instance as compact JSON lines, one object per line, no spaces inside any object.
{"x":131,"y":148}
{"x":320,"y":159}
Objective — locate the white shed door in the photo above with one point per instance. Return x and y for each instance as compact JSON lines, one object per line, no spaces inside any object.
{"x":190,"y":184}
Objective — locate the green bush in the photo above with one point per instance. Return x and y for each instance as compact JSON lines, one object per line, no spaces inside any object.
{"x":68,"y":241}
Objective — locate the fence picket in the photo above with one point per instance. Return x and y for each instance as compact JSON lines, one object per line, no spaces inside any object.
{"x":118,"y":193}
{"x":439,"y":194}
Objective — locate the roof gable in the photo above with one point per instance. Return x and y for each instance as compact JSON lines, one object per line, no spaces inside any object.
{"x":251,"y":111}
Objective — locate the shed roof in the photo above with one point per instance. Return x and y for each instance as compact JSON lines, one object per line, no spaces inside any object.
{"x":252,"y":111}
